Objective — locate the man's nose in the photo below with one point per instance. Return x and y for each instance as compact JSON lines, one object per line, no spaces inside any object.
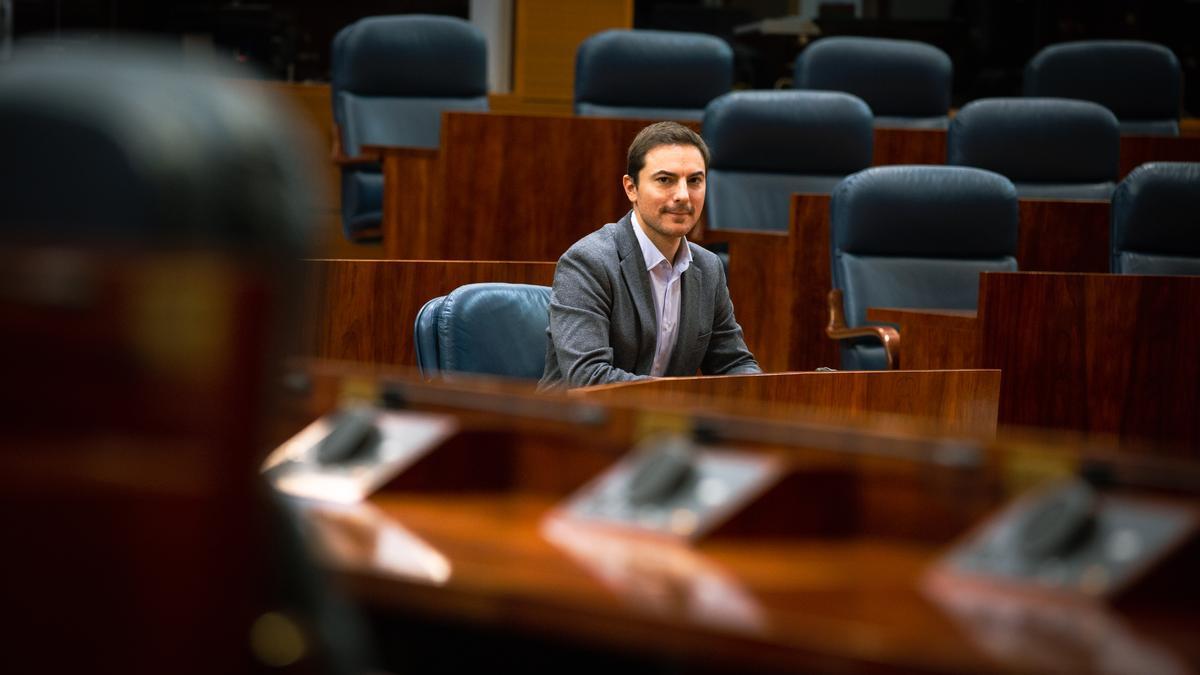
{"x":681,"y":193}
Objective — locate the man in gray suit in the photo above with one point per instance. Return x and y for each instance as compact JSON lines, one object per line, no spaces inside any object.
{"x":635,"y":299}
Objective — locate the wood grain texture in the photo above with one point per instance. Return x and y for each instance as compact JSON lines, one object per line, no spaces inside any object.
{"x":1137,"y":150}
{"x":1058,"y":235}
{"x":546,"y":36}
{"x":1102,"y":353}
{"x":909,"y":146}
{"x":782,"y":280}
{"x":363,"y":310}
{"x":506,"y":187}
{"x":939,"y":338}
{"x":956,"y":401}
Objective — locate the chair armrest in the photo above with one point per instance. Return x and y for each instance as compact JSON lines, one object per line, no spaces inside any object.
{"x":838,"y":330}
{"x":339,"y":157}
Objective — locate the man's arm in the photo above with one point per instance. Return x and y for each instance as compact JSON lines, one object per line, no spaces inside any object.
{"x":580,"y":311}
{"x":727,"y":353}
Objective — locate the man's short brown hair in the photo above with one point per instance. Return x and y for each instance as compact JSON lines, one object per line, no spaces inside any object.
{"x":661,"y":133}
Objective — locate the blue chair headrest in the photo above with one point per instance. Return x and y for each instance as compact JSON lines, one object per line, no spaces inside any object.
{"x":1156,"y":209}
{"x":411,"y":56}
{"x":925,"y":211}
{"x":805,"y":132}
{"x":486,"y":328}
{"x":652,"y":69}
{"x":894,"y":77}
{"x":1135,"y":80}
{"x":1037,"y":139}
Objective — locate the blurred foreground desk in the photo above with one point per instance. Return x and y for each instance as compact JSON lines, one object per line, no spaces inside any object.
{"x":1113,"y":354}
{"x":471,"y":569}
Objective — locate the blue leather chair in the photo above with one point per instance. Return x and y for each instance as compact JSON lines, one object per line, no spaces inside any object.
{"x":906,"y":83}
{"x":913,"y":236}
{"x":766,"y":145}
{"x":1048,"y":147}
{"x":650,"y":74}
{"x":1156,"y":220}
{"x":392,"y":78}
{"x":1140,"y":82}
{"x":489,"y":329}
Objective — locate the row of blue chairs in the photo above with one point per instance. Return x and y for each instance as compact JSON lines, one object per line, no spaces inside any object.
{"x":902,"y":236}
{"x":394,"y":75}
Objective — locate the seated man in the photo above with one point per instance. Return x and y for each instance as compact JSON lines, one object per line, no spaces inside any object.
{"x":635,"y":299}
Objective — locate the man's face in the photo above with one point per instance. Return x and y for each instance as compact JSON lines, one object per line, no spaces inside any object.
{"x":669,"y":194}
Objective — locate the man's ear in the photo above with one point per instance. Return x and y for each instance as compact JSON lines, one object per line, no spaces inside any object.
{"x":630,"y":188}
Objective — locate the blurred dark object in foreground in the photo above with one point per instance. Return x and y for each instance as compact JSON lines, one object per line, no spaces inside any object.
{"x":152,"y":216}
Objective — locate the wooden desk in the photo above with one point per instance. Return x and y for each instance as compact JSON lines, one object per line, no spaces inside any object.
{"x":364,"y":310}
{"x":505,"y":187}
{"x":950,"y":401}
{"x":928,"y":146}
{"x":779,"y":280}
{"x":452,"y":574}
{"x":1113,"y":354}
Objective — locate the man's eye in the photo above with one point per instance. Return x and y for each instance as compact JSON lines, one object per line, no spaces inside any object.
{"x":696,"y":180}
{"x":663,"y":180}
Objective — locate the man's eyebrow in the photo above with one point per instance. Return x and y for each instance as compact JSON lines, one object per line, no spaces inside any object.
{"x":662,"y":172}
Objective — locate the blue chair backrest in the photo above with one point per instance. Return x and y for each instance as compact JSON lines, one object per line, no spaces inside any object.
{"x":488,"y":328}
{"x":1140,"y":82}
{"x":905,"y":83}
{"x":1156,"y":220}
{"x":1048,"y":147}
{"x":917,"y":236}
{"x":651,"y":74}
{"x":766,"y":145}
{"x":392,"y":78}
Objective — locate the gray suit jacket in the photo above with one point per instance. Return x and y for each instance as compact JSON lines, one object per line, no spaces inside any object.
{"x":602,"y":323}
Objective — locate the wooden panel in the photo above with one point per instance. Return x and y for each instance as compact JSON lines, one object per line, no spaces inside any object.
{"x":909,"y":146}
{"x":933,"y":339}
{"x":1103,"y":353}
{"x":956,"y":401}
{"x":1063,"y":236}
{"x":546,"y":35}
{"x":791,"y":313}
{"x":363,"y":310}
{"x":506,"y":187}
{"x":1137,"y":150}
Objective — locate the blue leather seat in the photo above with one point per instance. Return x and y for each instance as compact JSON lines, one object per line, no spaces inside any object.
{"x":650,"y":74}
{"x":1140,"y":82}
{"x":1048,"y":147}
{"x":392,"y":78}
{"x":917,"y":236}
{"x":766,"y":145}
{"x":906,"y":83}
{"x":1156,"y":220}
{"x":489,"y":329}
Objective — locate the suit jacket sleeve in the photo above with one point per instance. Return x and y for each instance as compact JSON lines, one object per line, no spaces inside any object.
{"x":727,"y":353}
{"x":580,"y":311}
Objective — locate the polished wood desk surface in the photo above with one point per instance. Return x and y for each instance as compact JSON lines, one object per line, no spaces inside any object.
{"x":946,"y":401}
{"x":489,"y":552}
{"x":1093,"y":352}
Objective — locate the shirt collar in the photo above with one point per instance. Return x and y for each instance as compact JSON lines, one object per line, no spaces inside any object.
{"x":652,"y":255}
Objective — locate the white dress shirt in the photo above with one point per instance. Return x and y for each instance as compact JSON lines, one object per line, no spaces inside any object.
{"x":665,"y":285}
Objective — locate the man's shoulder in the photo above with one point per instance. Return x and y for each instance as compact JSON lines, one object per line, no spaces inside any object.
{"x":599,"y":245}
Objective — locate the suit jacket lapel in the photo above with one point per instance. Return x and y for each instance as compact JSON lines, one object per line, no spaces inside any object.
{"x":637,"y":279}
{"x":689,"y":329}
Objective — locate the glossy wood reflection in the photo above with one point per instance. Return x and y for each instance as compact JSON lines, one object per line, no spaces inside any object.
{"x":363,"y":310}
{"x":1111,"y":354}
{"x":955,"y":401}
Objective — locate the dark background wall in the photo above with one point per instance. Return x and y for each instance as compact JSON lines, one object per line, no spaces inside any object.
{"x":989,"y":41}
